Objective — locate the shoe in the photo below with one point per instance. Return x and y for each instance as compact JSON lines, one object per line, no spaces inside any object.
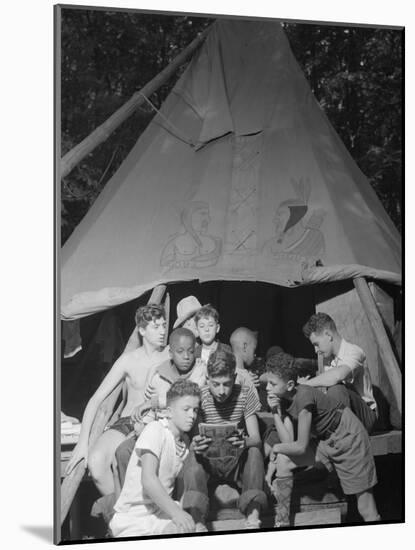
{"x":201,"y":528}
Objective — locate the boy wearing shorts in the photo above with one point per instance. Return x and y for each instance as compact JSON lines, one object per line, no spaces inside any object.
{"x":347,"y":378}
{"x":340,"y":439}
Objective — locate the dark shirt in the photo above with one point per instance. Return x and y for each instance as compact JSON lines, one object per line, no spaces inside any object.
{"x":220,"y":347}
{"x":322,"y":407}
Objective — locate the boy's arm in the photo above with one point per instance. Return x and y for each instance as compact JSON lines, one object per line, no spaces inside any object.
{"x":252,"y":428}
{"x":329,"y":378}
{"x":284,"y":428}
{"x":114,"y":377}
{"x":298,"y":447}
{"x":282,"y":422}
{"x":158,"y":494}
{"x":151,"y":392}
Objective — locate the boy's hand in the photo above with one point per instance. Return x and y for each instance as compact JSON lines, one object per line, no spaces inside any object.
{"x":200,"y":443}
{"x":184,"y":522}
{"x":237,"y":440}
{"x":79,"y":453}
{"x":274,"y":453}
{"x":254,"y":378}
{"x":271,"y":471}
{"x":303,"y":379}
{"x":139,"y":411}
{"x":274,"y":403}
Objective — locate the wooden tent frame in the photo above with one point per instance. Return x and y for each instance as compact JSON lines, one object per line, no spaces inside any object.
{"x":71,"y":482}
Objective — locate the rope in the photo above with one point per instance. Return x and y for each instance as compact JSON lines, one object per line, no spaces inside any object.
{"x":173,"y":129}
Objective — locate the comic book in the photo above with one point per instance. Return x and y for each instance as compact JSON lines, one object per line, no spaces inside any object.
{"x":219,"y":433}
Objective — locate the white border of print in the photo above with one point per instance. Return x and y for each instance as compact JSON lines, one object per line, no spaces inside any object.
{"x":27,"y":267}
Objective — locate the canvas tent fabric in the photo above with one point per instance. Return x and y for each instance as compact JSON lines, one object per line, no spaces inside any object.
{"x":246,"y":181}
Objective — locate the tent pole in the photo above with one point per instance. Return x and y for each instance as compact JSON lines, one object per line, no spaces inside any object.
{"x":167,"y":310}
{"x":72,"y":481}
{"x":389,"y":360}
{"x":100,"y":134}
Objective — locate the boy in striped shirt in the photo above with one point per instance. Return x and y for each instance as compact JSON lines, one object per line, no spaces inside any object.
{"x":223,"y":401}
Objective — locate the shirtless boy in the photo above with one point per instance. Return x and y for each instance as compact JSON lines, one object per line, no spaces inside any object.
{"x":133,"y":367}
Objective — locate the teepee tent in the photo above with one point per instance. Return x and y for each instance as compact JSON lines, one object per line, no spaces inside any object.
{"x":239,"y":177}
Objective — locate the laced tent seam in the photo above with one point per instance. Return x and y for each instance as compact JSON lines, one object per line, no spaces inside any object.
{"x":173,"y":128}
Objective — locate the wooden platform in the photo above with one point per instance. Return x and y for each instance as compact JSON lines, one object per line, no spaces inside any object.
{"x":233,"y":520}
{"x":385,"y":443}
{"x":330,"y":516}
{"x":315,"y":500}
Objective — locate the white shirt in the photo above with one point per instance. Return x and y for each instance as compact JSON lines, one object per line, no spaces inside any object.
{"x":159,"y":440}
{"x":353,"y":357}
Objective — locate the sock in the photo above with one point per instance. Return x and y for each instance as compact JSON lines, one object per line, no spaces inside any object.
{"x":283,"y":487}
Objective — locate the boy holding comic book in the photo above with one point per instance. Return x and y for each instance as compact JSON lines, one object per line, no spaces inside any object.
{"x":181,"y":365}
{"x":233,"y":455}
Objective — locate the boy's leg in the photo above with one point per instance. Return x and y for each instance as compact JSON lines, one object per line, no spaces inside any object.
{"x":284,"y":482}
{"x":349,"y":451}
{"x":195,"y":490}
{"x":348,"y":397}
{"x":282,"y":490}
{"x":367,"y":506}
{"x":364,"y":413}
{"x":100,"y":458}
{"x":253,"y":499}
{"x":123,"y":454}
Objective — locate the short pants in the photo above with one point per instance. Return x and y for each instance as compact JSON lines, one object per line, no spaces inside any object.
{"x":347,"y":450}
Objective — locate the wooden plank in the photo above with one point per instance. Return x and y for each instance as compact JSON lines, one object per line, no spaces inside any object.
{"x":226,"y":525}
{"x":71,"y":482}
{"x":385,"y":306}
{"x":167,"y":310}
{"x":389,"y":360}
{"x":386,"y":443}
{"x":327,"y":516}
{"x":330,"y":516}
{"x":100,"y":134}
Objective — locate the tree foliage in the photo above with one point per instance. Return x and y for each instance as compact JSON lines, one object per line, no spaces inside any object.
{"x":355,"y":73}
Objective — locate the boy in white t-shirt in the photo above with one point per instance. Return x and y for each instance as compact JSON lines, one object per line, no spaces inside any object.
{"x":146,"y":506}
{"x":347,"y":377}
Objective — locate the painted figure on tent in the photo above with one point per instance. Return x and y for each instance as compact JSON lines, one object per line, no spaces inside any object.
{"x":192,"y":247}
{"x":297,"y":230}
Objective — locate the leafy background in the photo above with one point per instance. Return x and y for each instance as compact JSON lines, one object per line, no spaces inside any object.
{"x":355,"y":73}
